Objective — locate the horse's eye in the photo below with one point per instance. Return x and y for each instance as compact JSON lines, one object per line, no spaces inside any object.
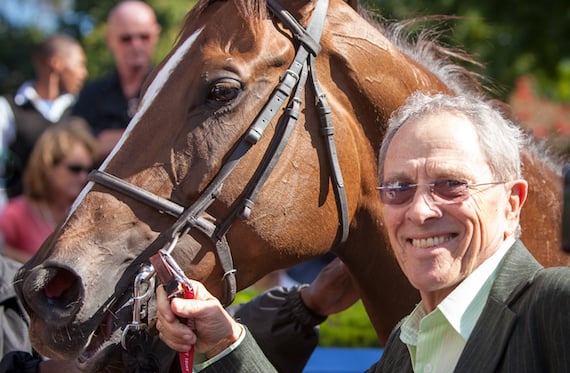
{"x":224,"y":91}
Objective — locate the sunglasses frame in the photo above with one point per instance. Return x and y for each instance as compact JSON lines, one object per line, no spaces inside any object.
{"x":458,"y":190}
{"x":128,"y":38}
{"x":76,"y":169}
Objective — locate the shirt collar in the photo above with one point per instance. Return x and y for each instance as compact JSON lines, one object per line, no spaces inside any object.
{"x":51,"y":110}
{"x":469,"y":297}
{"x":461,"y":300}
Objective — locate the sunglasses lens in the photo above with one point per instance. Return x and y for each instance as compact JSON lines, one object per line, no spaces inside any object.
{"x":77,"y":169}
{"x":450,"y":190}
{"x":128,"y":38}
{"x":397,"y":195}
{"x":447,"y":190}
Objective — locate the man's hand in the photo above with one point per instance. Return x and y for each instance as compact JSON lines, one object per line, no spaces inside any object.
{"x":332,"y":291}
{"x":215,"y":329}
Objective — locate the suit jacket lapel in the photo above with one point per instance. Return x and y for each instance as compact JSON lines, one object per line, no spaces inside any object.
{"x":492,"y":331}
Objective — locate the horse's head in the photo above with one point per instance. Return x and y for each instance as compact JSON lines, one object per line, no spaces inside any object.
{"x":230,"y":161}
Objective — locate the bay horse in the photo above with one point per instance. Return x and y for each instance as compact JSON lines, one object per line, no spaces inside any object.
{"x":231,"y":149}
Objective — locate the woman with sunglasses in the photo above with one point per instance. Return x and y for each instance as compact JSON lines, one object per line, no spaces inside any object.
{"x":55,"y":174}
{"x":451,"y":183}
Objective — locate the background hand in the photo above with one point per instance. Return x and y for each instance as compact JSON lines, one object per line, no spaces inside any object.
{"x":332,"y":291}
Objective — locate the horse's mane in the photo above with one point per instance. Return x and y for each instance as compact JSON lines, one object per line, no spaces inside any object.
{"x":421,"y":40}
{"x":423,"y":46}
{"x":544,"y":153}
{"x":450,"y":65}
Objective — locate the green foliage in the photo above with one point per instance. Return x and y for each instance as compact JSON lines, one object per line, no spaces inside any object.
{"x":86,"y":22}
{"x":245,"y":295}
{"x":169,"y":14}
{"x":511,"y":38}
{"x":350,"y":328}
{"x":562,"y":91}
{"x":15,"y":63}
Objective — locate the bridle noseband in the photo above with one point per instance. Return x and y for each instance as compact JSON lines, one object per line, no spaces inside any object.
{"x":293,"y":80}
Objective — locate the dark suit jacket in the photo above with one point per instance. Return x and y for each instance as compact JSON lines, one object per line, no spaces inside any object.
{"x":524,"y":327}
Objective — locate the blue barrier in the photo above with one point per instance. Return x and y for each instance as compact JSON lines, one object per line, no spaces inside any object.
{"x":342,"y":360}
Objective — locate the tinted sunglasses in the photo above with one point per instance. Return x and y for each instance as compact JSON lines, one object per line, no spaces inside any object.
{"x":398,"y":193}
{"x":77,"y":169}
{"x":128,"y":38}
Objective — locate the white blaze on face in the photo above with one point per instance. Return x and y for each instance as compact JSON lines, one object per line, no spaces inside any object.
{"x":146,"y":101}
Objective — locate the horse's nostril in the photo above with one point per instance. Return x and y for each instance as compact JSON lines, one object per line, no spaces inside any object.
{"x":61,"y":282}
{"x":54,"y":292}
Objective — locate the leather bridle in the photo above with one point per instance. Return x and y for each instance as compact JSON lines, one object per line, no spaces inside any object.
{"x":293,"y":80}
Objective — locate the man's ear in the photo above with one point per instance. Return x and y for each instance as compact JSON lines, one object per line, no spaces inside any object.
{"x":517,"y":197}
{"x":55,"y":63}
{"x":108,"y":41}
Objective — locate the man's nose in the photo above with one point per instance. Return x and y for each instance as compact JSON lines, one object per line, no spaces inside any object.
{"x":423,"y":206}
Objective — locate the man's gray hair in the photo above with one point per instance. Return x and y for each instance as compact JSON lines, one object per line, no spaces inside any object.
{"x":500,"y":139}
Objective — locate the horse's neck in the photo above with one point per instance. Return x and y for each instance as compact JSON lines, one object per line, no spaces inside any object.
{"x":541,"y":214}
{"x":386,"y":293}
{"x":380,"y":77}
{"x":377,"y":80}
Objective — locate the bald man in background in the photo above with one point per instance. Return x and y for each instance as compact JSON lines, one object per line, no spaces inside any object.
{"x":109,"y":103}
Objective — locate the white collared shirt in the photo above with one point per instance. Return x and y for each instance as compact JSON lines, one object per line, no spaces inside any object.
{"x":435,"y":341}
{"x":51,"y":110}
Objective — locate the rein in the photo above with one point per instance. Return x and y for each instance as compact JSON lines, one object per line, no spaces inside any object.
{"x":294,"y":79}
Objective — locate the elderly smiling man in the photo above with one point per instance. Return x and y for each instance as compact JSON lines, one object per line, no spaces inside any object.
{"x":452,"y":188}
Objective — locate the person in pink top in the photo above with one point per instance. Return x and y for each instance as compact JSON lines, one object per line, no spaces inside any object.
{"x":56,"y":173}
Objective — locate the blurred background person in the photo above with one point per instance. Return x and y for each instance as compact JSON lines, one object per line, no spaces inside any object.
{"x":60,"y":70}
{"x":55,"y":174}
{"x":109,"y":103}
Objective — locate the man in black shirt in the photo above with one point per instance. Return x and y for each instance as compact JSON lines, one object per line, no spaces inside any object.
{"x":109,"y":103}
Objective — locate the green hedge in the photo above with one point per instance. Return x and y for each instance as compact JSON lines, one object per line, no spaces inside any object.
{"x":350,"y":328}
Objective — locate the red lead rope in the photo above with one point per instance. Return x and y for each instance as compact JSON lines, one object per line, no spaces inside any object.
{"x":187,"y":358}
{"x":177,"y":285}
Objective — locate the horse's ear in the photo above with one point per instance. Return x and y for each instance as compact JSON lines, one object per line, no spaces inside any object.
{"x":353,"y":3}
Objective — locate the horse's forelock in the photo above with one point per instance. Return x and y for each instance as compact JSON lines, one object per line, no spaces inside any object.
{"x":252,"y":11}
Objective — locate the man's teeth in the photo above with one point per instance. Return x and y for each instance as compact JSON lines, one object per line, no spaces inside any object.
{"x":431,"y":241}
